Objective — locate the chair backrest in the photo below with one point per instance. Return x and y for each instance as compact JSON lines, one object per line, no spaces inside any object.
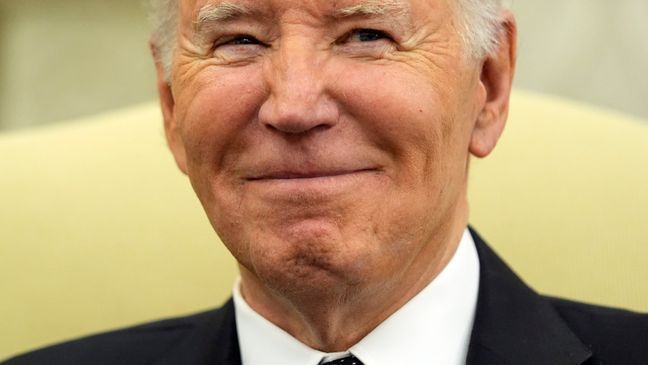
{"x":98,"y":229}
{"x":564,"y":198}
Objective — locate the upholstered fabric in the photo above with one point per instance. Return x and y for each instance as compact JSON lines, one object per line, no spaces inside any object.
{"x":97,"y":224}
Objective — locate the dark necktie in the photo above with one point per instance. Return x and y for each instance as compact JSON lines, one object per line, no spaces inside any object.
{"x":349,"y":360}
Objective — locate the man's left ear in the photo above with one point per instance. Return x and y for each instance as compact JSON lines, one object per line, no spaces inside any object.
{"x":496,"y":80}
{"x":167,"y":103}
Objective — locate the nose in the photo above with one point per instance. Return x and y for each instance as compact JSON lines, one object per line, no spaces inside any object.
{"x":298,"y":101}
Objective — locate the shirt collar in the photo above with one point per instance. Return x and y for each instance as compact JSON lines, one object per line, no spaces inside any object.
{"x":263,"y":343}
{"x":433,"y":327}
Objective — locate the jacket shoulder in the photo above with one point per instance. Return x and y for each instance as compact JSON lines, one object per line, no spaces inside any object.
{"x":613,"y":335}
{"x":141,"y":344}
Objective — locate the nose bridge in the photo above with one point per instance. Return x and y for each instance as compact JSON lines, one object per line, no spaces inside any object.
{"x":295,"y":77}
{"x":295,"y":71}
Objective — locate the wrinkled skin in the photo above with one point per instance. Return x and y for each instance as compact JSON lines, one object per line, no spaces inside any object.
{"x":332,"y":159}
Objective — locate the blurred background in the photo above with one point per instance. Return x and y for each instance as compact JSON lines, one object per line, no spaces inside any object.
{"x":70,"y":58}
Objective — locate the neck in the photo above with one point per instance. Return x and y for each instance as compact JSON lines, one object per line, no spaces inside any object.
{"x":335,"y":320}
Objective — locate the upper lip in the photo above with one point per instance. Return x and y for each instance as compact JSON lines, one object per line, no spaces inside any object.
{"x":305,"y":174}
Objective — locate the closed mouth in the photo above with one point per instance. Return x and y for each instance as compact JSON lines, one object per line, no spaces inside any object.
{"x":296,"y":175}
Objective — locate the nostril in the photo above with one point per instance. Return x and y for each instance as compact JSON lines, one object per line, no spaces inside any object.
{"x":297,"y":127}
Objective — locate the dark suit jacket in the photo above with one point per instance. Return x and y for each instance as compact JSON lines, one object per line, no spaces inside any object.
{"x":513,"y":325}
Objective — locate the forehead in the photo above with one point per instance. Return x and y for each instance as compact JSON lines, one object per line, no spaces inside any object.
{"x":319,"y":7}
{"x":193,"y":9}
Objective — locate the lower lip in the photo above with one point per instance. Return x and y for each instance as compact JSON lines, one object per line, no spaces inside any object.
{"x":322,"y":184}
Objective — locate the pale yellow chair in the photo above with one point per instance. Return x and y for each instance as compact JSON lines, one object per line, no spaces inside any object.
{"x":99,"y":230}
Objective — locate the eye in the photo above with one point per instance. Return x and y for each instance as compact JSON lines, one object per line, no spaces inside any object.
{"x":235,"y":48}
{"x":238,"y":48}
{"x":241,"y":40}
{"x":365,"y":35}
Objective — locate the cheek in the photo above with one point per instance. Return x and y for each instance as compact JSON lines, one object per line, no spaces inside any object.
{"x":215,"y":112}
{"x":415,"y":119}
{"x":402,"y":112}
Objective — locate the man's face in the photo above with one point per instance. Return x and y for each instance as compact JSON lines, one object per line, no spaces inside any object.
{"x":328,"y":141}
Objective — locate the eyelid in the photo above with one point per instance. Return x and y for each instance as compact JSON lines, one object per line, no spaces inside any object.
{"x":227,"y":40}
{"x":385,"y":34}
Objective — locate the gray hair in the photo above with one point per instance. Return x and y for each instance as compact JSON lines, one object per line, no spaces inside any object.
{"x":479,"y":25}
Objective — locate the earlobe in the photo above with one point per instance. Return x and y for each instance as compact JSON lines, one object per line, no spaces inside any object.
{"x":167,"y":104}
{"x":496,"y":80}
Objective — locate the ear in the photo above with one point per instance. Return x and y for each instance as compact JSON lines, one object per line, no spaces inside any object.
{"x":167,"y":102}
{"x":496,"y":80}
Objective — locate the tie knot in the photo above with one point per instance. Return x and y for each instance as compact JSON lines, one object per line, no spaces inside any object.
{"x":349,"y":360}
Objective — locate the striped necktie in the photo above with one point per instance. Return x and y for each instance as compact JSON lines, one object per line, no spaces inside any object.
{"x":349,"y":360}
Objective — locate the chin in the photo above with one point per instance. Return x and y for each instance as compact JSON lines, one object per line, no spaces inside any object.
{"x":317,"y":264}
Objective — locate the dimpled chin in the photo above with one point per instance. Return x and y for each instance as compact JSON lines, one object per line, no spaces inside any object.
{"x":308,"y":256}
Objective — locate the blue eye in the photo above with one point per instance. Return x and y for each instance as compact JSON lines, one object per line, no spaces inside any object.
{"x":244,"y":40}
{"x":368,"y":35}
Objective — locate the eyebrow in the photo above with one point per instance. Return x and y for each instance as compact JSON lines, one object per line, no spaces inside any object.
{"x":373,"y":8}
{"x":226,"y":11}
{"x":214,"y":13}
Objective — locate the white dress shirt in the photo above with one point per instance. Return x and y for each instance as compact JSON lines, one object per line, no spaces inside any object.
{"x":434,"y":327}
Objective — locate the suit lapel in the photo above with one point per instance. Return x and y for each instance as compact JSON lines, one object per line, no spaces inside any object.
{"x":213,"y":342}
{"x":515,"y":325}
